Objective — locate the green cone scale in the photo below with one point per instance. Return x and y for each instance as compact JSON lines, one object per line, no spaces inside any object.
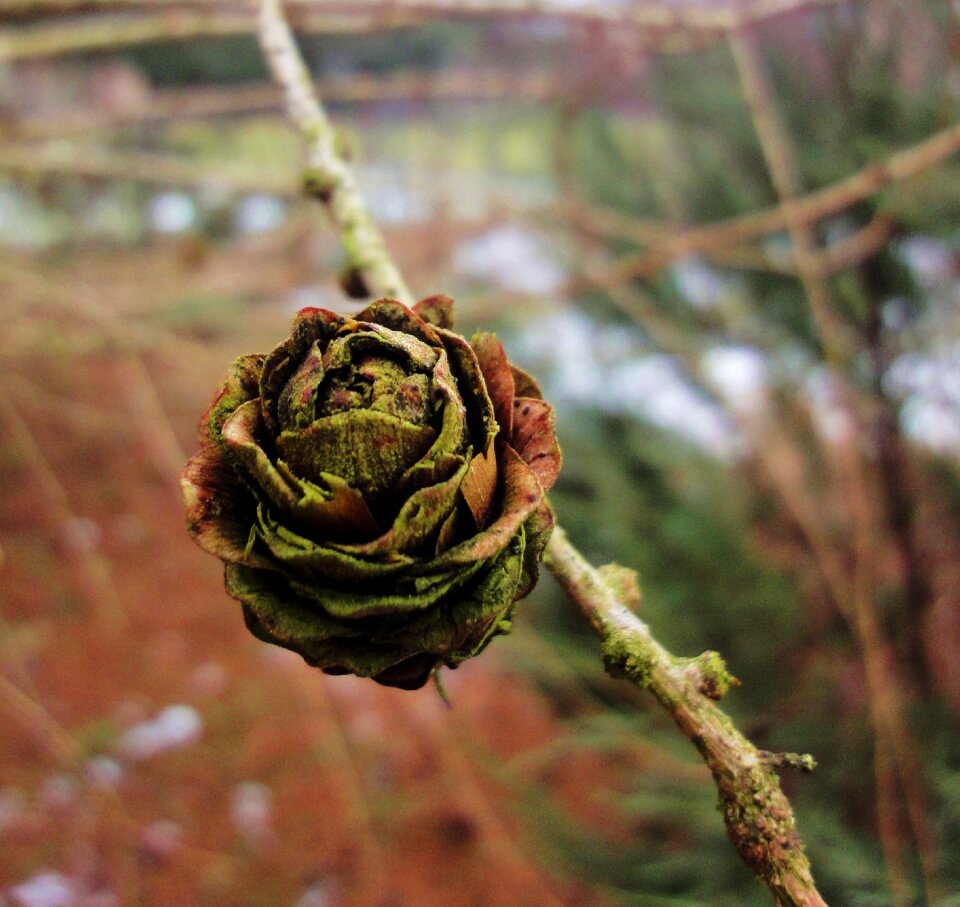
{"x":375,"y":487}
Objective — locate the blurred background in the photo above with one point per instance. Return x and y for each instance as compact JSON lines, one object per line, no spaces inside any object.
{"x":723,"y":235}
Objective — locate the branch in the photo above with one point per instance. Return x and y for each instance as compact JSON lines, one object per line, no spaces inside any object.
{"x":82,"y":33}
{"x":783,"y":171}
{"x":758,"y":816}
{"x":716,"y":17}
{"x":64,"y":751}
{"x":329,"y":177}
{"x":663,"y":27}
{"x":158,"y":20}
{"x":104,"y":603}
{"x":41,"y":158}
{"x":812,"y":207}
{"x":665,"y":242}
{"x":466,"y":84}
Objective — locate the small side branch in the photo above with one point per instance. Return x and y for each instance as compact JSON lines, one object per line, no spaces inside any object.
{"x":757,"y":814}
{"x":329,"y":177}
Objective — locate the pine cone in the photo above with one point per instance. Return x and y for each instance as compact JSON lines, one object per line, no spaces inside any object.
{"x":375,"y":487}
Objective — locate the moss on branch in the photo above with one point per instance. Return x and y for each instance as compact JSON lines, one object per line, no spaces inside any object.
{"x":757,"y":814}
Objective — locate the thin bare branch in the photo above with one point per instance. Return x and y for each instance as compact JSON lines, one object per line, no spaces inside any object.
{"x":141,"y":166}
{"x":841,"y":255}
{"x":786,"y":181}
{"x":671,"y":244}
{"x":714,"y":17}
{"x":103,"y":600}
{"x":329,"y":178}
{"x":202,"y":103}
{"x":81,"y":34}
{"x":757,"y":814}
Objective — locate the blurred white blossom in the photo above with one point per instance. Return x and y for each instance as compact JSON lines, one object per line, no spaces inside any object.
{"x":511,"y":258}
{"x":173,"y":212}
{"x":175,"y":727}
{"x":45,"y":889}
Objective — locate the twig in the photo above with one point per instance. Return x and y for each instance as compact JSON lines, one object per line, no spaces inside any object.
{"x":786,"y":180}
{"x":93,"y":32}
{"x":103,"y":599}
{"x":163,"y":20}
{"x":78,"y":34}
{"x":887,"y":698}
{"x":716,"y":17}
{"x":661,"y":27}
{"x":535,"y":84}
{"x":757,"y":814}
{"x":853,"y":250}
{"x":143,"y":166}
{"x":329,"y":178}
{"x":814,"y":206}
{"x":22,"y":710}
{"x":137,"y":386}
{"x":843,"y":254}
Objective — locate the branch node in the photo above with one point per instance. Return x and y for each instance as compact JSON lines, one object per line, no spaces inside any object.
{"x":624,"y":582}
{"x":319,"y":184}
{"x":709,"y":672}
{"x":352,"y":282}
